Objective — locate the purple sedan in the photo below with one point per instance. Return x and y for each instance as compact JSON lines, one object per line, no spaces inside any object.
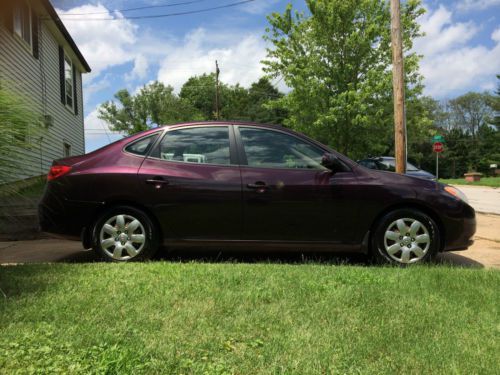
{"x":244,"y":185}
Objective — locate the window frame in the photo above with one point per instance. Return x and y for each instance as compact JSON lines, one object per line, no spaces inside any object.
{"x":71,"y":107}
{"x":17,"y":7}
{"x":158,"y":136}
{"x":233,"y":151}
{"x":243,"y":156}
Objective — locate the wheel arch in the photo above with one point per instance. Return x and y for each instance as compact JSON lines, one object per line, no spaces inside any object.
{"x":86,"y":235}
{"x":408,"y":205}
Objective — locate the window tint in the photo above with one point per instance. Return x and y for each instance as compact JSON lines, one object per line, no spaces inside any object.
{"x":368,"y":164}
{"x":271,"y":149}
{"x":142,"y":146}
{"x":205,"y":145}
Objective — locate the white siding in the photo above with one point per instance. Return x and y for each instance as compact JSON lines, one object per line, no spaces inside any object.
{"x":38,"y":81}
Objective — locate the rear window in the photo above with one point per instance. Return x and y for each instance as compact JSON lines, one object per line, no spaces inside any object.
{"x":142,"y":145}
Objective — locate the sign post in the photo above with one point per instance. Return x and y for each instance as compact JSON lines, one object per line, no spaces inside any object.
{"x":437,"y":147}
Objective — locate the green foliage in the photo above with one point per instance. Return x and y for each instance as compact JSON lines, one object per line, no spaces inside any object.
{"x":496,"y":106}
{"x":20,"y":129}
{"x":154,"y":105}
{"x":157,"y":104}
{"x":338,"y":63}
{"x":227,"y":318}
{"x":472,"y":142}
{"x":485,"y":181}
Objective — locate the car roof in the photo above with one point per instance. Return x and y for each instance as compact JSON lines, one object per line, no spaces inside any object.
{"x":225,"y":122}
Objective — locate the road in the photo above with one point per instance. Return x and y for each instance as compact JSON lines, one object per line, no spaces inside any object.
{"x":483,"y":199}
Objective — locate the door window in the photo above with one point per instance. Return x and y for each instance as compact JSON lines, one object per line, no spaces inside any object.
{"x":201,"y":145}
{"x":271,"y":149}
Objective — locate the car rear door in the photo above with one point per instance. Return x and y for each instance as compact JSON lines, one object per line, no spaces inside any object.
{"x":192,"y":182}
{"x":287,"y":194}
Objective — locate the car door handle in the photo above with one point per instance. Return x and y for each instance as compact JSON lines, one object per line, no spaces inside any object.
{"x":157,"y":181}
{"x":260,"y":186}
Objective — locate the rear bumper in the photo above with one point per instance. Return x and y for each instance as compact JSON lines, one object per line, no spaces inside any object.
{"x":65,"y":218}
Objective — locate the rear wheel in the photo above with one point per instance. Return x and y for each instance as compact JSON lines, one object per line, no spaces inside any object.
{"x":405,"y":236}
{"x":124,"y":234}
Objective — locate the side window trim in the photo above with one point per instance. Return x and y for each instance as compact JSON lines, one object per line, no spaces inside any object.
{"x":241,"y":148}
{"x":151,"y":147}
{"x":233,"y":151}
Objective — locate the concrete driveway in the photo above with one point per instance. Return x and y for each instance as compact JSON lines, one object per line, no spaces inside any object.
{"x":484,"y":199}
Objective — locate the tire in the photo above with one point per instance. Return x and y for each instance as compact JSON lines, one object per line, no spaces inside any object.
{"x":419,"y":244}
{"x":124,"y":234}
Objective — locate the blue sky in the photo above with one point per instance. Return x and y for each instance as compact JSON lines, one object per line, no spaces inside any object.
{"x":461,"y":49}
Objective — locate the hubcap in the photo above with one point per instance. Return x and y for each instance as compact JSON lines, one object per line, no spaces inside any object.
{"x":406,"y":240}
{"x":122,"y":237}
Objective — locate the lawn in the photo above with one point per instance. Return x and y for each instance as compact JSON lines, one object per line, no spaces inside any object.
{"x":485,"y":181}
{"x":236,"y":318}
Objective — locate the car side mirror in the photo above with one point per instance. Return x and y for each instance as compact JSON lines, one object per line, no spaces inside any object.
{"x":331,"y":162}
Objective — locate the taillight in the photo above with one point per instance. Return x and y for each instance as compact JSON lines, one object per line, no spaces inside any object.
{"x":58,"y":171}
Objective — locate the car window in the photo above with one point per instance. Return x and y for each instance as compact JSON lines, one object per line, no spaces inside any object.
{"x":368,"y":164}
{"x":272,"y":149}
{"x":386,"y":165}
{"x":141,"y":146}
{"x":201,"y":145}
{"x":411,"y":168}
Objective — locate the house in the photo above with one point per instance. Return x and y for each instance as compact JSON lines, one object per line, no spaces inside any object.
{"x":40,"y":61}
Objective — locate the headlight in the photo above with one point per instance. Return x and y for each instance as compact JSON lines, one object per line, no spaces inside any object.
{"x":456,"y":193}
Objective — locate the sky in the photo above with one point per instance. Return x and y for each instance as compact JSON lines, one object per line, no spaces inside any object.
{"x":461,"y":48}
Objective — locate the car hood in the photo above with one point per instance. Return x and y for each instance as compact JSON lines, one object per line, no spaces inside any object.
{"x":421,"y":174}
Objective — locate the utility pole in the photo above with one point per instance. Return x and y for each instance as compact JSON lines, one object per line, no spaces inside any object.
{"x":398,"y":87}
{"x":217,"y":71}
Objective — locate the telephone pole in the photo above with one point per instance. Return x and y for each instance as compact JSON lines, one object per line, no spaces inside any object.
{"x":217,"y":71}
{"x":398,"y":88}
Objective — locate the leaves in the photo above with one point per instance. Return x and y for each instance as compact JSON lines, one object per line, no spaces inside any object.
{"x":338,"y":63}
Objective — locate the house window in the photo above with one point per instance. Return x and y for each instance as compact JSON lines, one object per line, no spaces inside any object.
{"x":68,"y":81}
{"x":22,"y":21}
{"x":67,"y":150}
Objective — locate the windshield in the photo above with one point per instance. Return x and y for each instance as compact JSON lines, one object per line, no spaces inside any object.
{"x":390,"y":165}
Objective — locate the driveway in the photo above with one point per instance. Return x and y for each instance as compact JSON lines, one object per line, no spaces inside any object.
{"x":483,"y":199}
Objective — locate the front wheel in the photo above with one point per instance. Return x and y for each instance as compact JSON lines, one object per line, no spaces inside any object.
{"x":124,"y":234}
{"x":405,"y":236}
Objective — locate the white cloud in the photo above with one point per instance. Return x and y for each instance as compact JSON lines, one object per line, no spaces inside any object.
{"x":140,"y":69}
{"x":468,"y":5}
{"x":238,"y":56}
{"x":450,"y":65}
{"x":97,"y":132}
{"x":103,"y":43}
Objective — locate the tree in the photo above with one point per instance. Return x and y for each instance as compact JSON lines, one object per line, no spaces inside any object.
{"x":259,"y":110}
{"x":471,"y":111}
{"x":496,"y":106}
{"x":337,"y":62}
{"x":154,"y":105}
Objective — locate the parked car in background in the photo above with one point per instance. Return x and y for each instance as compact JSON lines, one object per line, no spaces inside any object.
{"x":226,"y":185}
{"x":388,"y":163}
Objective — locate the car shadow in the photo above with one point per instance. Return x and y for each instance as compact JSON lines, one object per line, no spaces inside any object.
{"x":453,"y":259}
{"x":282,"y":257}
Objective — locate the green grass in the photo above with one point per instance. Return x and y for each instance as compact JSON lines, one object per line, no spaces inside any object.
{"x":485,"y":181}
{"x":225,"y":318}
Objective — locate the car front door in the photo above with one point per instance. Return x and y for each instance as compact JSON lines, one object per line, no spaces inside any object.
{"x":287,"y":194}
{"x":192,"y":182}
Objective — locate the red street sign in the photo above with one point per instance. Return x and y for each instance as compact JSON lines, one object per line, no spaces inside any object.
{"x":437,"y":147}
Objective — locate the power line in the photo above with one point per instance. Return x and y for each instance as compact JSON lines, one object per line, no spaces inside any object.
{"x":159,"y":15}
{"x":134,"y":9}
